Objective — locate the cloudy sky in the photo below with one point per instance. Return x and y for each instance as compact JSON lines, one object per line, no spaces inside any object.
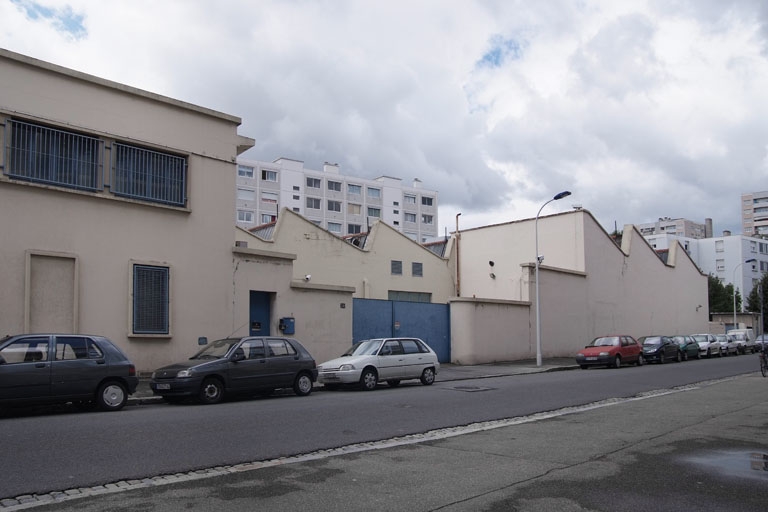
{"x":642,"y":109}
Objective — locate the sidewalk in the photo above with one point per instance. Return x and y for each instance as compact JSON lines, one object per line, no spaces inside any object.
{"x":448,"y":372}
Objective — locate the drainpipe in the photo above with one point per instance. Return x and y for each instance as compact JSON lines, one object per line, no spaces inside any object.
{"x":458,"y":271}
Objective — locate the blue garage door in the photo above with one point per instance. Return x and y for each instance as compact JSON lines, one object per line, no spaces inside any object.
{"x":373,"y":318}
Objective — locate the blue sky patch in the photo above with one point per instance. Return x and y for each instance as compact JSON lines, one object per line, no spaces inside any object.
{"x":64,"y":20}
{"x":501,"y":50}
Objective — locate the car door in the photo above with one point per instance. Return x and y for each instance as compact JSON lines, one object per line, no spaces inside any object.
{"x":252,"y":372}
{"x":78,"y":366}
{"x":391,"y":360}
{"x":630,"y":349}
{"x":414,"y":360}
{"x":25,"y":369}
{"x":283,"y":362}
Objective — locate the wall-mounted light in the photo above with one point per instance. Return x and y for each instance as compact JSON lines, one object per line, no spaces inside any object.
{"x":698,"y":308}
{"x":493,"y":276}
{"x":491,"y":263}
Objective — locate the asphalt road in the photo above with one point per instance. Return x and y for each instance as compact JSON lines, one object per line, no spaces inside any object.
{"x":62,"y":450}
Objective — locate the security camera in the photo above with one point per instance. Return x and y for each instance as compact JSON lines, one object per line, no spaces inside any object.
{"x":308,"y":277}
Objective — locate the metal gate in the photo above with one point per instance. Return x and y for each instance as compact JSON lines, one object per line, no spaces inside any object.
{"x":374,"y":318}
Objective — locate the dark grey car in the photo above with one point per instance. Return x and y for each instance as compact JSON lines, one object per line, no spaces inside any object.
{"x":660,"y":348}
{"x":241,"y":366}
{"x":60,"y":368}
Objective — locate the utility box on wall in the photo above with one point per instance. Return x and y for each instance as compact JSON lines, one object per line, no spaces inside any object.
{"x":287,"y":325}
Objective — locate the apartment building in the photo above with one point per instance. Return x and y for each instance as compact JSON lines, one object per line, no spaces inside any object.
{"x":344,"y":205}
{"x":680,"y":227}
{"x":725,"y":257}
{"x":754,"y":213}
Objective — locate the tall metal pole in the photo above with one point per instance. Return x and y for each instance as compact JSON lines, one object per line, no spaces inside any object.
{"x":537,"y":262}
{"x":751,"y":260}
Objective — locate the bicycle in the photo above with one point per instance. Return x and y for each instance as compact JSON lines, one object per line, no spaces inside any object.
{"x":763,"y":364}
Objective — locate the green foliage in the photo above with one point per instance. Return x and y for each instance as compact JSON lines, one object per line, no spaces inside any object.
{"x":721,"y":296}
{"x":754,"y":302}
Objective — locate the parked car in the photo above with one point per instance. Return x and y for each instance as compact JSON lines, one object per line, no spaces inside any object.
{"x":610,"y":351}
{"x":745,"y":339}
{"x":660,"y":349}
{"x":759,"y":341}
{"x":369,"y":362}
{"x":61,"y":368}
{"x":728,"y":345}
{"x":688,"y":346}
{"x":707,"y":345}
{"x":237,"y":366}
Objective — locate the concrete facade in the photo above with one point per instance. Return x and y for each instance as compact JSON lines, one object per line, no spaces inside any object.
{"x":70,"y":254}
{"x":754,"y":213}
{"x":368,"y":270}
{"x":589,"y":286}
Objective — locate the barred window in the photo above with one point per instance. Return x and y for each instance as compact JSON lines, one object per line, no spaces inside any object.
{"x":417,"y":269}
{"x":45,"y":155}
{"x":396,"y":267}
{"x":149,"y":175}
{"x":151,"y":299}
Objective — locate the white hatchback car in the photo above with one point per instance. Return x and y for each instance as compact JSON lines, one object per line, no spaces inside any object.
{"x":369,"y":362}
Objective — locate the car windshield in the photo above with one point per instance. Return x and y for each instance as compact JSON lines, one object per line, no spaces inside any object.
{"x":609,"y":341}
{"x":216,"y":349}
{"x":653,"y":340}
{"x":680,"y":340}
{"x":363,"y":348}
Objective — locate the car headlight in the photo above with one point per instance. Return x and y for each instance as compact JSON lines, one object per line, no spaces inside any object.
{"x":346,"y":367}
{"x":153,"y":375}
{"x":605,"y":353}
{"x":184,"y":374}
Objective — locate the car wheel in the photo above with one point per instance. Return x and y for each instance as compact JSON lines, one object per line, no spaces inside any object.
{"x":617,"y":361}
{"x":721,"y":353}
{"x":640,"y":360}
{"x":111,"y":396}
{"x":303,"y":385}
{"x":393,"y":383}
{"x":369,"y":379}
{"x":685,"y":356}
{"x":679,"y":357}
{"x":662,"y":360}
{"x":709,"y":354}
{"x":428,"y":376}
{"x":212,"y":391}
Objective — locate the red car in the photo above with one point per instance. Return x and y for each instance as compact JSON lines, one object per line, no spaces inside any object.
{"x":611,"y":351}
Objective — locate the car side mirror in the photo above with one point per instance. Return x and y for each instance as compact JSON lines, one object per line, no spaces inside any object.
{"x":239,"y":355}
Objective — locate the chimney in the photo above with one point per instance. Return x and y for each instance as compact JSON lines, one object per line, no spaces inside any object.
{"x":331,"y":168}
{"x":416,"y":183}
{"x":707,"y":228}
{"x":726,"y":232}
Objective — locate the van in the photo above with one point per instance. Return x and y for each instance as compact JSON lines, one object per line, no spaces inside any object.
{"x":745,"y":338}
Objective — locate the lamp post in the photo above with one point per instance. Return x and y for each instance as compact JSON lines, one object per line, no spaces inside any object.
{"x":538,"y":261}
{"x":750,"y":260}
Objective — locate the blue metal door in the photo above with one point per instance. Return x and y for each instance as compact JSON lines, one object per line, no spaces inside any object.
{"x":373,"y":318}
{"x":259,"y":314}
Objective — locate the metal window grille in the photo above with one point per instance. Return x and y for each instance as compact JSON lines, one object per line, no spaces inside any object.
{"x":417,"y":269}
{"x":397,"y":267}
{"x":46,"y":155}
{"x":149,"y":175}
{"x":150,"y":299}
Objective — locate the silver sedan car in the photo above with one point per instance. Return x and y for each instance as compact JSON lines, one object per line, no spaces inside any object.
{"x":391,"y":360}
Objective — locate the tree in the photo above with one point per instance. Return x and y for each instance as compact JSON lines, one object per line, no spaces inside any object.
{"x":721,"y":296}
{"x":753,"y":301}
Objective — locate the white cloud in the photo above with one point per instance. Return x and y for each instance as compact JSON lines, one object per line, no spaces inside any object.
{"x":642,"y":109}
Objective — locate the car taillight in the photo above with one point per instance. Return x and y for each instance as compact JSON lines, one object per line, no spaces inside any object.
{"x":131,"y":370}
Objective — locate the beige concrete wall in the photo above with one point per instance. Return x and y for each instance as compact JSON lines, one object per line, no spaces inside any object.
{"x":602,"y":290}
{"x":512,"y":244}
{"x":487,"y":331}
{"x":105,"y":233}
{"x":322,"y":313}
{"x":333,"y":261}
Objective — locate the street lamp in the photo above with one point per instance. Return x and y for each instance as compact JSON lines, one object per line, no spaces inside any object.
{"x":538,"y":261}
{"x":750,"y":260}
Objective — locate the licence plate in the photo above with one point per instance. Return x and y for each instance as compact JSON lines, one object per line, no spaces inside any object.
{"x":591,"y":359}
{"x":163,"y":386}
{"x":330,"y":376}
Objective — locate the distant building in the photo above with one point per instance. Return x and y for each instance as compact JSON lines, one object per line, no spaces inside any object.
{"x":721,"y":257}
{"x":344,"y":205}
{"x":754,"y":213}
{"x":678,"y":227}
